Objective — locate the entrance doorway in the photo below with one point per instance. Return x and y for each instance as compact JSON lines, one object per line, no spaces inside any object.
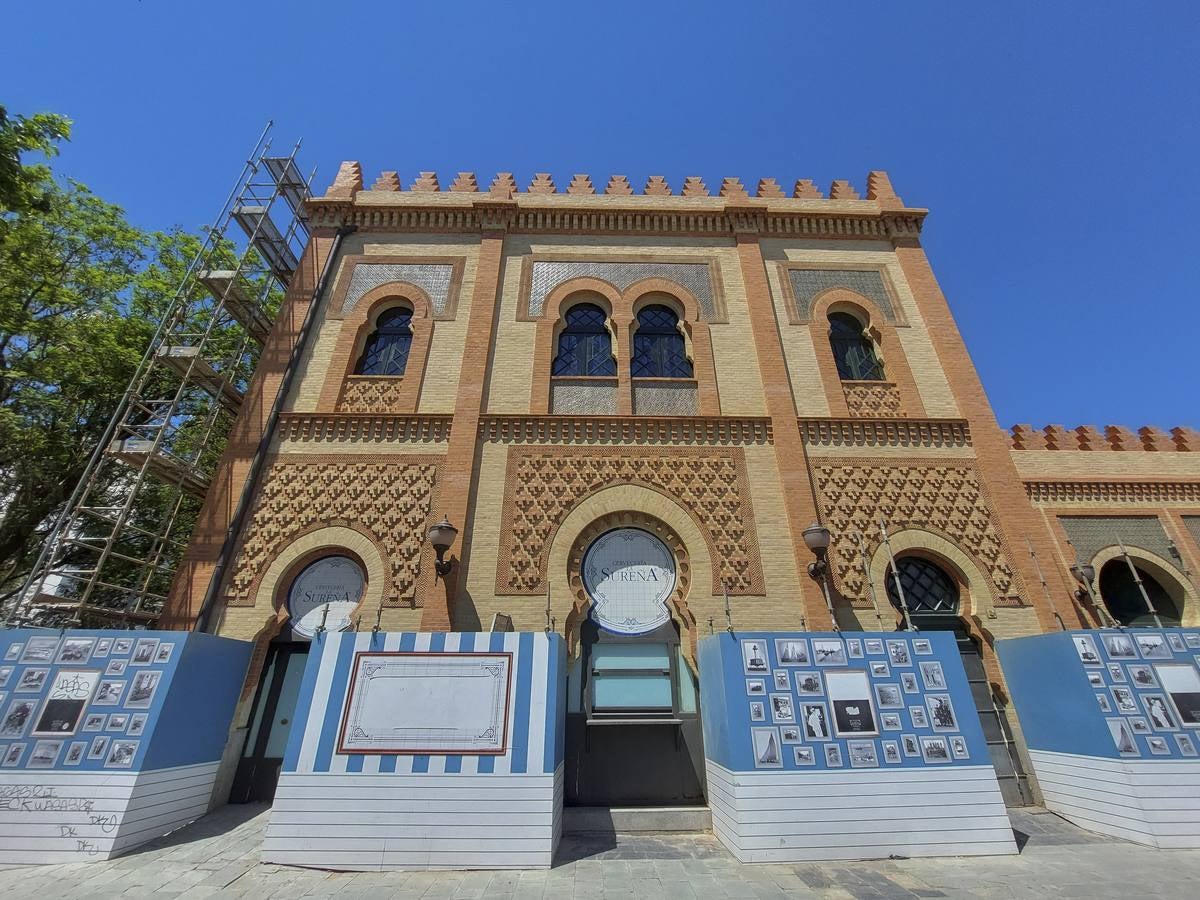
{"x":270,"y":724}
{"x":933,"y":599}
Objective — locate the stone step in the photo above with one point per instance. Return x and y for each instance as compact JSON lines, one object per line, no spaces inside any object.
{"x":634,"y":819}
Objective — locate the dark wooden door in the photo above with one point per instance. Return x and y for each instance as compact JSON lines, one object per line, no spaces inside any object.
{"x":270,"y":724}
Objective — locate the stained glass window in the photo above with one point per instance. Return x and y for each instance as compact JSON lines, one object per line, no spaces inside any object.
{"x":386,"y":350}
{"x":853,"y":351}
{"x":658,"y":347}
{"x":584,"y":346}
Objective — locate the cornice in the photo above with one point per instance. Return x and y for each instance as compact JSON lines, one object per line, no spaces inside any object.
{"x":917,"y":433}
{"x":366,"y":427}
{"x":1071,"y":491}
{"x":641,"y":430}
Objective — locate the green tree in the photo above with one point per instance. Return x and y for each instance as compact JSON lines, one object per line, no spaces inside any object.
{"x":23,"y":186}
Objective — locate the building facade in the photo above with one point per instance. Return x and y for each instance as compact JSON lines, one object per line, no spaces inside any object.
{"x":632,"y":405}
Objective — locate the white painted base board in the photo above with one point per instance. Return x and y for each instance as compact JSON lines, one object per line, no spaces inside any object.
{"x":52,"y":816}
{"x":1147,"y":801}
{"x":371,"y":823}
{"x":776,"y":817}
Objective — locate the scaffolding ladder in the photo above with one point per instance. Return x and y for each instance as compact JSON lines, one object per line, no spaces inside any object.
{"x":109,"y":557}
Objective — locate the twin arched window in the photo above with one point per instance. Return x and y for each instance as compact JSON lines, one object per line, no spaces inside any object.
{"x":658,"y":347}
{"x":853,"y":351}
{"x":386,"y":350}
{"x":584,"y":346}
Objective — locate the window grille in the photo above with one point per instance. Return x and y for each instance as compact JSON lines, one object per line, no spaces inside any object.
{"x":386,"y":350}
{"x":853,"y":351}
{"x":584,"y":346}
{"x":658,"y":347}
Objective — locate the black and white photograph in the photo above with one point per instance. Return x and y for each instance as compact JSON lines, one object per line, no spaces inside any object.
{"x":117,"y":722}
{"x":933,"y":676}
{"x":116,"y":667}
{"x":754,"y":657}
{"x":1158,"y":745}
{"x":137,"y":725}
{"x":814,"y":719}
{"x":958,"y":747}
{"x":890,"y":721}
{"x":1176,"y":642}
{"x":1123,"y":701}
{"x":789,"y":733}
{"x":920,"y":718}
{"x":16,"y":718}
{"x":891,"y":752}
{"x":863,"y":754}
{"x":75,"y":753}
{"x":1122,"y":737}
{"x":103,"y":648}
{"x":768,"y":754}
{"x":833,"y":756}
{"x":873,"y":646}
{"x":69,"y":693}
{"x":828,"y":652}
{"x":792,"y":652}
{"x":922,"y":647}
{"x":1182,"y":685}
{"x":935,"y":750}
{"x":850,"y":697}
{"x":1152,"y":646}
{"x":5,"y":674}
{"x":809,"y":684}
{"x":1192,"y":640}
{"x":1102,"y":700}
{"x":94,"y":722}
{"x":109,"y":693}
{"x":1095,"y":679}
{"x":39,"y":650}
{"x":122,"y":646}
{"x":31,"y":680}
{"x":1115,"y":672}
{"x":898,"y":653}
{"x":941,"y":712}
{"x":121,"y":755}
{"x":1159,"y":712}
{"x":99,"y":747}
{"x":75,"y":651}
{"x":1086,"y":648}
{"x":142,"y":689}
{"x":13,"y":652}
{"x":1118,"y":646}
{"x":1142,"y":676}
{"x":782,"y":709}
{"x":880,"y":669}
{"x":143,"y":652}
{"x":13,"y":756}
{"x":1139,"y":725}
{"x":804,"y":756}
{"x":854,"y":648}
{"x":889,"y":696}
{"x":758,"y":711}
{"x":756,"y":687}
{"x":44,"y":755}
{"x":908,"y":681}
{"x":165,"y":649}
{"x":781,"y":680}
{"x":1187,"y":746}
{"x":910,"y":744}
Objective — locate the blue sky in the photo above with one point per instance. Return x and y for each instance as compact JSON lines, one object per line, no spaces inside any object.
{"x":1055,"y":143}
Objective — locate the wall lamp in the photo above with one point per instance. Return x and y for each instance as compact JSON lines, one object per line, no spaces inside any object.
{"x":816,"y":538}
{"x":442,"y":536}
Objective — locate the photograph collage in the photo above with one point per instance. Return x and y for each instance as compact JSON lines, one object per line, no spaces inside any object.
{"x":93,"y":689}
{"x":1147,"y":687}
{"x":849,"y":702}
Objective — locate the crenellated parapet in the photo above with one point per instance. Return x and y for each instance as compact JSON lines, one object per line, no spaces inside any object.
{"x":1110,"y":437}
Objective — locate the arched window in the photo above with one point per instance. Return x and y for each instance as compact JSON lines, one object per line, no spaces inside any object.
{"x":928,"y":590}
{"x":853,"y":351}
{"x":584,"y":346}
{"x":658,"y":347}
{"x":1124,"y":599}
{"x":386,"y":350}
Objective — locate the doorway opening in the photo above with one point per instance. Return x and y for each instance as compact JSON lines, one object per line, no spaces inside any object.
{"x":270,"y":723}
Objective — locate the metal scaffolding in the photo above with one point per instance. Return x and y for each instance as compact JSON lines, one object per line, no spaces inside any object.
{"x":110,"y":556}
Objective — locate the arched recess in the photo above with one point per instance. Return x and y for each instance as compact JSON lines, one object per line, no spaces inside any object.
{"x":1177,"y":585}
{"x":976,"y":598}
{"x":559,"y":301}
{"x":345,"y":391}
{"x":633,"y":506}
{"x":887,"y":341}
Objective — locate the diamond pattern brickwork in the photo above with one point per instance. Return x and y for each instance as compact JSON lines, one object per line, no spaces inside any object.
{"x":930,"y":495}
{"x":1091,"y":534}
{"x":370,"y":395}
{"x":388,"y":497}
{"x":549,"y":274}
{"x":872,"y":399}
{"x":544,"y":485}
{"x":808,"y":283}
{"x":433,"y":279}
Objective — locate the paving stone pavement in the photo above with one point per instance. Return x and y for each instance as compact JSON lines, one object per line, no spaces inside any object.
{"x":218,"y":857}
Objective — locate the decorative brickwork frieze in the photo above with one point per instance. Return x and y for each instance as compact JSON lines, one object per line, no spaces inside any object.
{"x":873,"y":399}
{"x":544,"y":484}
{"x":624,"y":430}
{"x":1109,"y":492}
{"x":358,"y":428}
{"x":931,"y":495}
{"x":886,"y":432}
{"x":370,"y":394}
{"x":387,"y":497}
